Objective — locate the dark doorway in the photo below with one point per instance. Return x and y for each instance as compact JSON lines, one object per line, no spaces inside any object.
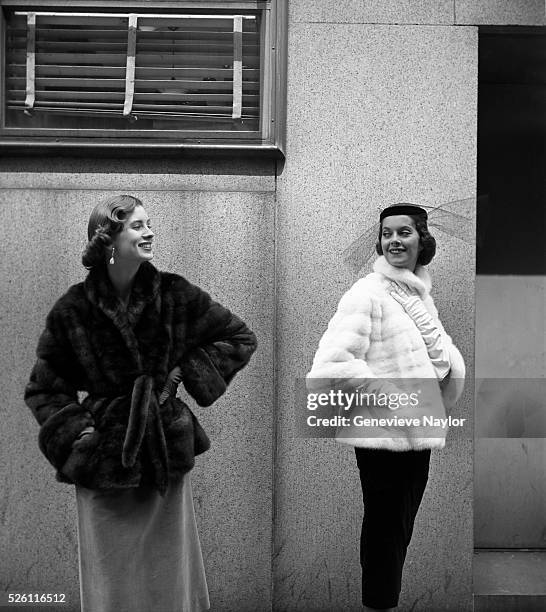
{"x":511,"y":150}
{"x":510,"y":444}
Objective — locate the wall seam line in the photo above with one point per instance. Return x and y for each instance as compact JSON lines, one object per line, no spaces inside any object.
{"x":274,"y":446}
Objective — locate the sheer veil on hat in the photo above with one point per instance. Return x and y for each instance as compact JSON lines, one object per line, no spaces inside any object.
{"x":455,"y":218}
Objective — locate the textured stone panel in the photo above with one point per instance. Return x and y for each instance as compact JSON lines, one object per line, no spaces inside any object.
{"x":376,"y":114}
{"x":500,"y":12}
{"x":136,"y":182}
{"x":510,"y":364}
{"x":509,"y":493}
{"x":375,"y":11}
{"x":514,"y":572}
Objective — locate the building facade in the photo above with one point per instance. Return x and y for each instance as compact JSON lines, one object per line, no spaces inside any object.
{"x":381,"y":106}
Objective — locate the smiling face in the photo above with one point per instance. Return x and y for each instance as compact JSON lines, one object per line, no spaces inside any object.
{"x":400,"y":241}
{"x":134,"y":244}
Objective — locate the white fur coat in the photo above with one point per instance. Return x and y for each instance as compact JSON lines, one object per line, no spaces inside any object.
{"x":371,"y":338}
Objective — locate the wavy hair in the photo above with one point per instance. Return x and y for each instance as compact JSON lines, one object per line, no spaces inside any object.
{"x":106,"y":220}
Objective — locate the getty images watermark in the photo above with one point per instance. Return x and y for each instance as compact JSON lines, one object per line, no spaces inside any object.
{"x":351,"y":402}
{"x":367,"y":408}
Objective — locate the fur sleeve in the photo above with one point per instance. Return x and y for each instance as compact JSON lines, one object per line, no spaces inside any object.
{"x":51,"y":393}
{"x":348,"y":333}
{"x":453,"y":384}
{"x":220,"y":345}
{"x":338,"y":360}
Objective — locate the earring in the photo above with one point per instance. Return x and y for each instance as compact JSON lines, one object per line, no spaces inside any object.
{"x":111,"y":262}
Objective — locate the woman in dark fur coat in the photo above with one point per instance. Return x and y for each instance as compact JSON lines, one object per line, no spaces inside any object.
{"x":126,"y":337}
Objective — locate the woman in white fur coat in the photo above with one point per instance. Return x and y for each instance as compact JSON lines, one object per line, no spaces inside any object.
{"x":387,"y":327}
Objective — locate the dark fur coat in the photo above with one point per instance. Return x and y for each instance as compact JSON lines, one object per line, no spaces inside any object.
{"x":121,"y":359}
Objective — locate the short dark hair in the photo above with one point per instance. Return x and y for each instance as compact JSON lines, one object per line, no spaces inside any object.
{"x":105,"y":221}
{"x":426,"y":239}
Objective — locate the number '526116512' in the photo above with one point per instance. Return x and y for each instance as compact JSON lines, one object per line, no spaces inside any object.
{"x":26,"y":598}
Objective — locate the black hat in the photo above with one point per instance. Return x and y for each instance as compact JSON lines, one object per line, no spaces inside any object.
{"x":402,"y":209}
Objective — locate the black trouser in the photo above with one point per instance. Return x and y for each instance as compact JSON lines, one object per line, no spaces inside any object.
{"x":393,"y":484}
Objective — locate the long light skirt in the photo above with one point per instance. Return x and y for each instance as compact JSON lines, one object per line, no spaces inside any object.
{"x":140,"y":552}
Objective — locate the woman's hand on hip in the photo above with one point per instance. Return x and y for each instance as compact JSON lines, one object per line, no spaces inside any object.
{"x":83,"y":433}
{"x":173,"y":380}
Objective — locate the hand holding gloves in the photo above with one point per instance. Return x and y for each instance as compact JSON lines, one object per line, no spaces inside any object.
{"x":431,"y":334}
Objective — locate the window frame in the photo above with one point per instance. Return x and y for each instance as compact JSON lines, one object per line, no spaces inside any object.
{"x":269,"y":140}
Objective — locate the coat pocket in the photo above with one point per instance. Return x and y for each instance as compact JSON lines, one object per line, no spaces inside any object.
{"x":95,"y":462}
{"x":80,"y":466}
{"x":58,"y":432}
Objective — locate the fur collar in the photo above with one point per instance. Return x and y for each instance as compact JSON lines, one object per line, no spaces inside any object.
{"x":420,"y":280}
{"x":101,"y":293}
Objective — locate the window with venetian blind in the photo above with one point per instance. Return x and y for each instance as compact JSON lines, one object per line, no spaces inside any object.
{"x":195,"y":73}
